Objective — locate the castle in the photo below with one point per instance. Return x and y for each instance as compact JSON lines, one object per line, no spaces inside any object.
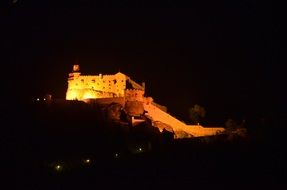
{"x":122,"y":89}
{"x":81,"y":87}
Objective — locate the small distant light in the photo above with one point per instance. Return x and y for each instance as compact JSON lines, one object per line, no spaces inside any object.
{"x":44,"y":99}
{"x":140,"y":149}
{"x":116,"y":155}
{"x":87,"y":161}
{"x":38,"y":99}
{"x":58,"y":167}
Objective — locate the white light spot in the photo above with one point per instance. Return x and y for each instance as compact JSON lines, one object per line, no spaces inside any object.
{"x":58,"y":167}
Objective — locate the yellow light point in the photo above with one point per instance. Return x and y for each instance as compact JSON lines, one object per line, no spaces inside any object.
{"x":58,"y":167}
{"x":87,"y":161}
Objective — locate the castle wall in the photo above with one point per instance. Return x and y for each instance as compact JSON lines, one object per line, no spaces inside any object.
{"x":178,"y":126}
{"x":134,"y":108}
{"x":163,"y":108}
{"x":112,"y":88}
{"x":89,"y":86}
{"x":106,"y":101}
{"x":134,"y":95}
{"x":134,"y":102}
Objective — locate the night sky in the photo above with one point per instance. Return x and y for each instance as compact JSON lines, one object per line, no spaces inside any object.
{"x":228,"y":56}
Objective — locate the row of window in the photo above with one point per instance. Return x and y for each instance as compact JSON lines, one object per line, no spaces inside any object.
{"x":103,"y":87}
{"x":93,"y":81}
{"x":97,"y":84}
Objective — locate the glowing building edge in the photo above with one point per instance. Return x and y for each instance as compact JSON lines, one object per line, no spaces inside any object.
{"x":87,"y":87}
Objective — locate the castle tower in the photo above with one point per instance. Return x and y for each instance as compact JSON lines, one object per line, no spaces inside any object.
{"x":75,"y":72}
{"x":74,"y":76}
{"x":76,"y":68}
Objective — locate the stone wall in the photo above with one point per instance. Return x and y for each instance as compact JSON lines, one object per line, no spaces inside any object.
{"x":134,"y":108}
{"x":82,"y":87}
{"x":107,"y":101}
{"x":134,"y":95}
{"x":107,"y":88}
{"x":178,"y":126}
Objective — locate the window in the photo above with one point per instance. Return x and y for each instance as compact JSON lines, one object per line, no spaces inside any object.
{"x":93,"y":81}
{"x":82,"y":80}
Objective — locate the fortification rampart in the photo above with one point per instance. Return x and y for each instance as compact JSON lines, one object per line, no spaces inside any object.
{"x":134,"y":95}
{"x":106,"y":101}
{"x":106,"y":89}
{"x":82,"y":87}
{"x":178,"y":126}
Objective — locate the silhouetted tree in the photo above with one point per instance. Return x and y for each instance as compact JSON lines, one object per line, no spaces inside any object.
{"x":235,"y":130}
{"x":230,"y":124}
{"x":196,"y":114}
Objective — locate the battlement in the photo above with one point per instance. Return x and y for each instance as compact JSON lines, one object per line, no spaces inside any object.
{"x":99,"y":75}
{"x":134,"y":95}
{"x":81,"y":87}
{"x":121,"y":88}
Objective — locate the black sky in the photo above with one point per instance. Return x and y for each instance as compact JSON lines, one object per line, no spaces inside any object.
{"x":228,"y":56}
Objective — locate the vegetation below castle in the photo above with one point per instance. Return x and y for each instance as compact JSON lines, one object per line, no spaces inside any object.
{"x":42,"y":137}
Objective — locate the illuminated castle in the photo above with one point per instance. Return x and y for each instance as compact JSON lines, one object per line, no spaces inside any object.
{"x":131,"y":95}
{"x":82,"y":87}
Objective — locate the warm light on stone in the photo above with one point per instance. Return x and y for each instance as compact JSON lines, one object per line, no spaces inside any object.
{"x":86,"y":87}
{"x":76,"y":68}
{"x":81,"y":87}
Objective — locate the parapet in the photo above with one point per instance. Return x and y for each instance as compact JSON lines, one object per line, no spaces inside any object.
{"x":134,"y":95}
